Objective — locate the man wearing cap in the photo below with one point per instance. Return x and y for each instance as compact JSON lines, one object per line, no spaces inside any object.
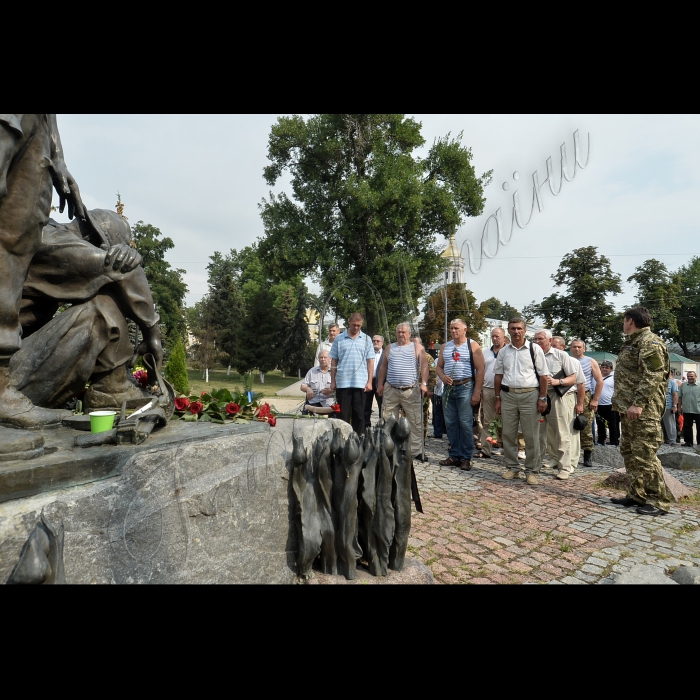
{"x":607,"y":420}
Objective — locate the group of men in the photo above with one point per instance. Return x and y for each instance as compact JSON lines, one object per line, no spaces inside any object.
{"x":548,"y":399}
{"x":682,"y":403}
{"x":353,"y":371}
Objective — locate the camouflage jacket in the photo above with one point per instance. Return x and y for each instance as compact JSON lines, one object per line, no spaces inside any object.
{"x":641,"y":375}
{"x":432,"y":372}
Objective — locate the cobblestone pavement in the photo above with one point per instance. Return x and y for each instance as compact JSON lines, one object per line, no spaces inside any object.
{"x":479,"y":528}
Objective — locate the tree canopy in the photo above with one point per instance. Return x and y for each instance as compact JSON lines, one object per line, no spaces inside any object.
{"x":583,"y":311}
{"x":365,"y":210}
{"x":659,"y":291}
{"x":688,"y":314}
{"x":461,"y":303}
{"x":494,"y":308}
{"x":167,"y":284}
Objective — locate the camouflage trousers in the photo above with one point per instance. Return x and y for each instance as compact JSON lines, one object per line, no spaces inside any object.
{"x":587,"y":432}
{"x":639,"y":443}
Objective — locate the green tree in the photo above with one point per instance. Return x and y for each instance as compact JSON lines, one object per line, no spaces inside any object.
{"x":688,"y":314}
{"x":493,"y":308}
{"x":659,"y":291}
{"x":226,"y":309}
{"x":204,"y":352}
{"x":366,"y":211}
{"x":297,"y":339}
{"x":461,"y":303}
{"x":260,"y":347}
{"x":583,"y":312}
{"x":167,"y":284}
{"x":176,"y":369}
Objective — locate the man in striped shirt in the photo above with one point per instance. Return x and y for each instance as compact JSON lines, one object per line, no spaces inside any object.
{"x":398,"y":383}
{"x":352,"y":369}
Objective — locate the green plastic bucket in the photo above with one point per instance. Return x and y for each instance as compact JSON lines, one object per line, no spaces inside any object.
{"x":101,"y":421}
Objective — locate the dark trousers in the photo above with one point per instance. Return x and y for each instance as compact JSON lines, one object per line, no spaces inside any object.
{"x":352,"y":407}
{"x":688,"y":420}
{"x":369,"y":397}
{"x":613,"y":419}
{"x":438,"y":417}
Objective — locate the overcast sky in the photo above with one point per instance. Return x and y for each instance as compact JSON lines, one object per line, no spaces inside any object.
{"x":198,"y":178}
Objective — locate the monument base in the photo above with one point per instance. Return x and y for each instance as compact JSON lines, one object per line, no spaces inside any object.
{"x":196,"y":503}
{"x":413,"y":573}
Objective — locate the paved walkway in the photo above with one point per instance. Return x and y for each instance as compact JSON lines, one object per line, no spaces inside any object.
{"x":479,"y":528}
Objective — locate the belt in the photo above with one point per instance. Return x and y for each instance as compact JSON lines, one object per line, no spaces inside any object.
{"x":402,"y":388}
{"x":518,"y":391}
{"x":461,"y":381}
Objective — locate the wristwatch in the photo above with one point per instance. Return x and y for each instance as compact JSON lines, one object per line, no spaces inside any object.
{"x":543,"y":398}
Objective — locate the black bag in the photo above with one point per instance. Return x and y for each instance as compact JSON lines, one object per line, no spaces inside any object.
{"x":561,"y":390}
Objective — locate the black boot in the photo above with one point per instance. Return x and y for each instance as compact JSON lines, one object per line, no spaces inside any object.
{"x":587,"y":458}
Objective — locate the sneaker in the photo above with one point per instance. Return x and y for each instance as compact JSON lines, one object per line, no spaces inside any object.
{"x":531,"y":479}
{"x":521,"y":454}
{"x":562,"y":474}
{"x":648,"y":509}
{"x":510,"y":474}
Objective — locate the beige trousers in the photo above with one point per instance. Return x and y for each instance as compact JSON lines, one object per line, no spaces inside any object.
{"x":555,"y":433}
{"x":407,"y":402}
{"x":516,"y":407}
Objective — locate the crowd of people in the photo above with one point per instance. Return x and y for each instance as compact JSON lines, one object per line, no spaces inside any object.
{"x":530,"y":401}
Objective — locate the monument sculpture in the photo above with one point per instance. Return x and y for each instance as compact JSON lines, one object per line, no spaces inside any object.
{"x":353,"y":500}
{"x":89,"y":267}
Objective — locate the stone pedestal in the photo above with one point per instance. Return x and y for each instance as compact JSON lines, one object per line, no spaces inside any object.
{"x":196,"y":503}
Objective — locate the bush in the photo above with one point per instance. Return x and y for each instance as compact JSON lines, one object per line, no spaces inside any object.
{"x":176,"y":369}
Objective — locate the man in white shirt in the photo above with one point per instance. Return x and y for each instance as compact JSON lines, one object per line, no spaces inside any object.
{"x":520,"y":383}
{"x":378,"y":343}
{"x":557,"y":431}
{"x":333,"y":331}
{"x":317,"y":383}
{"x":488,"y":393}
{"x":607,"y":420}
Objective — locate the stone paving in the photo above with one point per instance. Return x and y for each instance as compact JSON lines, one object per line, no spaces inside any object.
{"x":479,"y":528}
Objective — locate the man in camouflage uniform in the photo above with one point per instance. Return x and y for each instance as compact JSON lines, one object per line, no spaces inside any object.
{"x":641,"y":377}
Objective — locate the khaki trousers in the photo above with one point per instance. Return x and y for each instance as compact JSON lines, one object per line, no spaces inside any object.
{"x":488,"y":413}
{"x":522,"y":408}
{"x":556,"y":432}
{"x":406,"y":401}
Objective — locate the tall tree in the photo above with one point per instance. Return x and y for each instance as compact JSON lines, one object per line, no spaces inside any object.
{"x":259,"y":347}
{"x":494,"y":308}
{"x":167,"y":284}
{"x":295,"y":343}
{"x":461,"y":303}
{"x":659,"y":291}
{"x":204,"y":351}
{"x":688,"y":314}
{"x":366,"y":210}
{"x":583,"y":312}
{"x":226,"y":308}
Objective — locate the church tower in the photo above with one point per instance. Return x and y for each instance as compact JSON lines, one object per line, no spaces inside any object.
{"x":455,"y":272}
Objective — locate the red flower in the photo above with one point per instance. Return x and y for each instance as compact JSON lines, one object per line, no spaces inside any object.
{"x":182,"y":404}
{"x":455,"y":356}
{"x":196,"y":407}
{"x":272,"y":421}
{"x":336,"y":407}
{"x":264,"y":411}
{"x":203,"y":393}
{"x":141,"y":376}
{"x":232,"y":409}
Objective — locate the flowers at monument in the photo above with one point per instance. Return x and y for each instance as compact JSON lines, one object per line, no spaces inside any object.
{"x":223,"y":406}
{"x":336,"y":408}
{"x":141,"y":376}
{"x":182,"y":403}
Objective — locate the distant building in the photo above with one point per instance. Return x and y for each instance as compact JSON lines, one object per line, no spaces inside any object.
{"x":455,"y":272}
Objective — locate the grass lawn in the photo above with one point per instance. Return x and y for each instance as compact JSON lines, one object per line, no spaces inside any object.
{"x":218,"y":380}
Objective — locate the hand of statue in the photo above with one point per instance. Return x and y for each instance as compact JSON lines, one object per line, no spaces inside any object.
{"x":123,"y":258}
{"x":151,"y":343}
{"x":67,"y":189}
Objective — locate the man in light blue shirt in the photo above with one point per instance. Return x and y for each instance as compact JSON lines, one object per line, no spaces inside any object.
{"x":352,"y":371}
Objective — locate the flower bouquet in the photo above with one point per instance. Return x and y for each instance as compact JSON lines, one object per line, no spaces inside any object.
{"x":222,"y":406}
{"x":494,"y":426}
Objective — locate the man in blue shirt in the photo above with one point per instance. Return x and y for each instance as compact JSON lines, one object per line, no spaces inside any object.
{"x":352,"y":370}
